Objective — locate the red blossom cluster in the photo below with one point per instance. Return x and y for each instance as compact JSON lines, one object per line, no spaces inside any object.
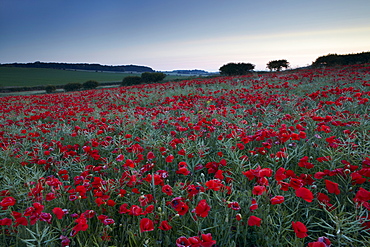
{"x":227,"y":150}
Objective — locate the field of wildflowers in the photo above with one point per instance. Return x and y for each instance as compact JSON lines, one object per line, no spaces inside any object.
{"x":277,"y":159}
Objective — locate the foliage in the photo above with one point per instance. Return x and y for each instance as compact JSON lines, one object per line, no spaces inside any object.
{"x":74,"y":86}
{"x":236,"y":69}
{"x":91,"y":84}
{"x":80,"y":66}
{"x":348,"y":59}
{"x":278,"y":64}
{"x":50,"y":88}
{"x":131,"y":80}
{"x":268,"y":160}
{"x":148,"y":77}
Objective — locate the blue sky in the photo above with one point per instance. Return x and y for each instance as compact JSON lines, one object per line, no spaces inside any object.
{"x":192,"y":34}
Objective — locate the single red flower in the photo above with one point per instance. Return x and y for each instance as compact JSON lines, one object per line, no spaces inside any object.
{"x":202,"y":208}
{"x":182,"y":242}
{"x":304,"y":193}
{"x":6,"y":222}
{"x":258,"y":190}
{"x":59,"y":213}
{"x":146,"y":225}
{"x":167,"y":189}
{"x":277,"y":200}
{"x":254,"y":205}
{"x":165,"y":226}
{"x":332,"y":187}
{"x":362,"y":195}
{"x":7,"y":202}
{"x":214,"y":184}
{"x":254,"y":221}
{"x":300,"y":229}
{"x":207,"y":240}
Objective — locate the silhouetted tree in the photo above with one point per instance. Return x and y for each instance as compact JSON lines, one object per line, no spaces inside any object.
{"x":236,"y":69}
{"x":335,"y":59}
{"x":278,"y":64}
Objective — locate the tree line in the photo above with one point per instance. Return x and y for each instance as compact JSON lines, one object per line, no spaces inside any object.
{"x":232,"y":69}
{"x":81,"y":66}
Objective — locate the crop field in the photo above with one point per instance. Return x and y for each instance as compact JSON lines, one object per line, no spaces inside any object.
{"x":37,"y":76}
{"x":278,"y":159}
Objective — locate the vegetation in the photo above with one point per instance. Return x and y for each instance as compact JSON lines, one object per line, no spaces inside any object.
{"x":50,"y":88}
{"x":348,"y":59}
{"x":74,"y":86}
{"x":131,"y":80}
{"x":231,"y":69}
{"x":282,"y":161}
{"x":147,"y":77}
{"x":81,"y":66}
{"x":91,"y":84}
{"x":277,"y":64}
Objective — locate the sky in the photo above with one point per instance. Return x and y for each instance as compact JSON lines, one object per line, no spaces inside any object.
{"x":170,"y":35}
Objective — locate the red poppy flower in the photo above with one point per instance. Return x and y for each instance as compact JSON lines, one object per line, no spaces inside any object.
{"x":207,"y":240}
{"x":146,"y":225}
{"x":167,"y":189}
{"x":202,"y":208}
{"x":6,"y":222}
{"x":254,"y":221}
{"x":59,"y":213}
{"x":258,"y":190}
{"x":304,"y":193}
{"x":277,"y":200}
{"x":7,"y":202}
{"x":254,"y":205}
{"x":300,"y":229}
{"x":170,"y":158}
{"x":362,"y":195}
{"x":214,"y":184}
{"x":165,"y":226}
{"x":332,"y":187}
{"x":182,"y":242}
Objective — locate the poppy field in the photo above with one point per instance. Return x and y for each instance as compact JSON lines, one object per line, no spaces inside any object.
{"x":274,"y":159}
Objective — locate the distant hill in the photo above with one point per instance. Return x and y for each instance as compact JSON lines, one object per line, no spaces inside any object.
{"x":81,"y":66}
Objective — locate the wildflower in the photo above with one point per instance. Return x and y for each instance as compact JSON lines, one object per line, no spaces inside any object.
{"x":7,"y":202}
{"x":146,"y":225}
{"x":304,"y":193}
{"x":165,"y":226}
{"x":202,"y":208}
{"x":254,"y":221}
{"x":300,"y":229}
{"x":59,"y":213}
{"x":258,"y":190}
{"x":277,"y":200}
{"x":332,"y":187}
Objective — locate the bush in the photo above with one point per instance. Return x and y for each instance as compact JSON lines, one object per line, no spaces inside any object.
{"x":148,"y":77}
{"x":50,"y":88}
{"x":74,"y":86}
{"x":90,"y":84}
{"x":131,"y":80}
{"x":236,"y":69}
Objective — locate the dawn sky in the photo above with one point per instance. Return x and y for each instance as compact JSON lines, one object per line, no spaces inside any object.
{"x":192,"y":34}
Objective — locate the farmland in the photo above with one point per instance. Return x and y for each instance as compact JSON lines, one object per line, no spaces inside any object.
{"x":278,"y":159}
{"x":28,"y":77}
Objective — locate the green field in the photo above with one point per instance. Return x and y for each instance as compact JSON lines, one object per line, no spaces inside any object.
{"x":35,"y":76}
{"x":27,"y":77}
